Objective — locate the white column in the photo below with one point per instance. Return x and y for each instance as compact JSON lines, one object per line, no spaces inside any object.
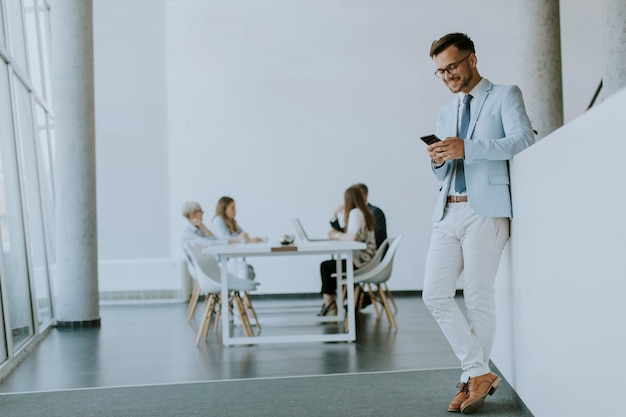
{"x":541,"y":57}
{"x":614,"y":71}
{"x":76,"y":279}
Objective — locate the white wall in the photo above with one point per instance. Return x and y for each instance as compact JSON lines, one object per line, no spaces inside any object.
{"x":581,"y":55}
{"x":561,"y":286}
{"x":282,"y":105}
{"x":131,"y":129}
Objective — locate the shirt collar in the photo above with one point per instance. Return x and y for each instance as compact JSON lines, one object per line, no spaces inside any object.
{"x":478,"y":88}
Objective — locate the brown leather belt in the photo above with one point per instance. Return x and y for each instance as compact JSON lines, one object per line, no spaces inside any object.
{"x":457,"y":199}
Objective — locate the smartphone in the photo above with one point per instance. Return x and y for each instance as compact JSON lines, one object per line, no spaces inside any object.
{"x":430,"y":139}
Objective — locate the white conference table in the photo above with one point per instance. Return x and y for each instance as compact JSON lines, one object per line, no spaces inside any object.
{"x":332,"y":247}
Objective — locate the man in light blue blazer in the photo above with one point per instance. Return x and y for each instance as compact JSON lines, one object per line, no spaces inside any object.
{"x":482,"y":128}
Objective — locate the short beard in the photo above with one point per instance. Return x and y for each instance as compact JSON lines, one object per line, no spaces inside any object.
{"x":464,"y":85}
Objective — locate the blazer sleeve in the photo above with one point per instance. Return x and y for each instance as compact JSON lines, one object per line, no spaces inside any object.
{"x":191,"y":236}
{"x":445,"y":119}
{"x":500,"y":141}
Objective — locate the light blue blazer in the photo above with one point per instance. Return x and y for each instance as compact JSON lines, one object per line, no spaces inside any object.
{"x":499,"y":128}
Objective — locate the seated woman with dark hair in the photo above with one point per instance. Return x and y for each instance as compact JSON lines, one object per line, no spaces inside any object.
{"x":359,"y":225}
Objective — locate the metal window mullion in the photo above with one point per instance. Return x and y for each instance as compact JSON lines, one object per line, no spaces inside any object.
{"x":46,"y":238}
{"x":23,"y":203}
{"x":44,"y":80}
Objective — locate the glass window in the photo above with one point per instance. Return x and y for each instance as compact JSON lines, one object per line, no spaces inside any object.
{"x":31,"y":185}
{"x":3,"y":209}
{"x":45,"y":170}
{"x":16,"y":32}
{"x":2,"y":40}
{"x":32,"y":41}
{"x":16,"y":288}
{"x":3,"y":341}
{"x":44,"y":36}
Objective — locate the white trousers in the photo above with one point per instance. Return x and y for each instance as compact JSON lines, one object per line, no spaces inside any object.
{"x":465,"y":242}
{"x":239,"y":268}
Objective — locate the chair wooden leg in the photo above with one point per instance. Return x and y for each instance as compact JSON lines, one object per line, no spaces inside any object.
{"x":357,"y":298}
{"x":245,"y":318}
{"x":206,"y":319}
{"x":218,"y":312}
{"x":371,"y":293}
{"x":390,"y":297}
{"x":357,"y":304}
{"x":235,"y":310}
{"x":383,"y":299}
{"x":193,"y":301}
{"x":243,"y":315}
{"x":250,"y":308}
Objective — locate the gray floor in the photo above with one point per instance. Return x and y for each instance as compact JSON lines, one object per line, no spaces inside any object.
{"x":155,"y":344}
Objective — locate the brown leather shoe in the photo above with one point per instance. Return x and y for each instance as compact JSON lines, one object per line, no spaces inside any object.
{"x":479,"y":387}
{"x":462,"y":395}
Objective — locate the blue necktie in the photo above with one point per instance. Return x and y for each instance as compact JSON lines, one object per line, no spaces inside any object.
{"x":459,"y":183}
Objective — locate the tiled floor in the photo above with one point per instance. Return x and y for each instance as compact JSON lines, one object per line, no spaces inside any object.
{"x":154,"y":344}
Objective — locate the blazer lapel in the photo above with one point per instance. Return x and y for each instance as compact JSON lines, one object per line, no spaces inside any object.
{"x":480,"y":100}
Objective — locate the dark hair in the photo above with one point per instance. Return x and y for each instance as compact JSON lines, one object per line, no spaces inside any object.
{"x":353,"y":198}
{"x":460,"y":40}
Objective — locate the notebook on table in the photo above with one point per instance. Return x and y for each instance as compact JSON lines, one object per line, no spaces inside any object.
{"x":302,"y":234}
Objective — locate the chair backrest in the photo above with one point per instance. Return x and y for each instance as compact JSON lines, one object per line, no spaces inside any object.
{"x":200,"y":264}
{"x":382,"y":271}
{"x":378,"y":256}
{"x":191,"y":268}
{"x":209,"y":273}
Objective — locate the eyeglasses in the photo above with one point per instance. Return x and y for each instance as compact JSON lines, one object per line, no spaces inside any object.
{"x":450,"y":69}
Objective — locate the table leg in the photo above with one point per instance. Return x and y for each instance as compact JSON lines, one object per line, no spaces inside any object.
{"x":350,"y":284}
{"x":225,"y":315}
{"x":341,"y":314}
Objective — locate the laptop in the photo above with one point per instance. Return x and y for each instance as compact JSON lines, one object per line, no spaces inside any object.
{"x":302,"y":234}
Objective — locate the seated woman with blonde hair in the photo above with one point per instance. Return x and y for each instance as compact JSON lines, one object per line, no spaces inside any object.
{"x":224,"y":224}
{"x":225,"y":227}
{"x":359,"y":225}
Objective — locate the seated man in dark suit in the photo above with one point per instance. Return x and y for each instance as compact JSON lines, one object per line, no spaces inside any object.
{"x":380,"y":229}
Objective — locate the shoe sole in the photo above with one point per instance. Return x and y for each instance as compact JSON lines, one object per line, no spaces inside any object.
{"x":455,"y":410}
{"x":470,"y":408}
{"x":329,"y":313}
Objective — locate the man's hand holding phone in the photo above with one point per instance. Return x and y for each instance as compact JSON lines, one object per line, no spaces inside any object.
{"x":448,"y":149}
{"x":430,"y":139}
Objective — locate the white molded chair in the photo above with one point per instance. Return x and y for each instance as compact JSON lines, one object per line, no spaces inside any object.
{"x":378,"y":256}
{"x":195,"y":293}
{"x":208,"y":275}
{"x":379,"y":275}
